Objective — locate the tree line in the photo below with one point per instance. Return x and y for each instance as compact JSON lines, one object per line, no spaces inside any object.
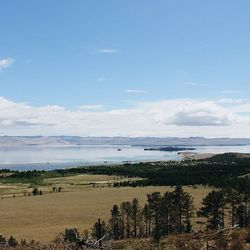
{"x":173,"y":212}
{"x":219,"y":171}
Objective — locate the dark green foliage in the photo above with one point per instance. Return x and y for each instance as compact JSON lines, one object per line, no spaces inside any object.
{"x":222,"y":171}
{"x":242,"y":215}
{"x":2,"y":239}
{"x":126,"y":213}
{"x":23,"y":242}
{"x":213,"y":209}
{"x":172,"y":213}
{"x":235,"y":199}
{"x":135,"y":210}
{"x":161,"y":215}
{"x":219,"y":171}
{"x":71,"y":235}
{"x":154,"y":202}
{"x":35,"y":191}
{"x":12,"y":242}
{"x":116,"y":222}
{"x":99,"y":230}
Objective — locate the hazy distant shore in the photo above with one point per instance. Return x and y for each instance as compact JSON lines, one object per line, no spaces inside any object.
{"x":7,"y":141}
{"x":50,"y":166}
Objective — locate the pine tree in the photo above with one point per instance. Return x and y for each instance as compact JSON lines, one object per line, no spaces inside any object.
{"x":115,"y":221}
{"x":147,"y":214}
{"x":188,"y":210}
{"x":135,"y":209}
{"x":126,"y":210}
{"x":168,"y":210}
{"x":213,"y":209}
{"x":154,"y":205}
{"x":233,"y":199}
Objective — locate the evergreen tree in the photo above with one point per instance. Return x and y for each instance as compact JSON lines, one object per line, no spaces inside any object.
{"x":126,"y":210}
{"x":213,"y":209}
{"x":154,"y":205}
{"x":135,"y":210}
{"x":147,"y":214}
{"x":233,"y":199}
{"x":115,"y":221}
{"x":12,"y":242}
{"x":98,"y":231}
{"x":188,"y":210}
{"x":179,"y":199}
{"x":168,"y":211}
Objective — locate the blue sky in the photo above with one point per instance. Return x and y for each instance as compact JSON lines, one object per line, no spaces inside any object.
{"x":121,"y":55}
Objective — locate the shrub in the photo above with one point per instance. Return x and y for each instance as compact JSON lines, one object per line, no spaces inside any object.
{"x":12,"y":242}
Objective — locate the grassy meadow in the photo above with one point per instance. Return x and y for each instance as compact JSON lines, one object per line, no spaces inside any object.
{"x":83,"y":199}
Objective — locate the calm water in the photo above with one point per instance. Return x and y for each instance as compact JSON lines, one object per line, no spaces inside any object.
{"x":24,"y":158}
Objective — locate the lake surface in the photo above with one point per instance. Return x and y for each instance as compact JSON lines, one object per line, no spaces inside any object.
{"x":32,"y":157}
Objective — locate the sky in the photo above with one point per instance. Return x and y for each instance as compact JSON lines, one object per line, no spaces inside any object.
{"x":125,"y":68}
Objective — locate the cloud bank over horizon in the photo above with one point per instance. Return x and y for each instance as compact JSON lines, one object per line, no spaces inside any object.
{"x":173,"y":117}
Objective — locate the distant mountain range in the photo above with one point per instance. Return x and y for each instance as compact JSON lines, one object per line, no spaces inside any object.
{"x":16,"y":141}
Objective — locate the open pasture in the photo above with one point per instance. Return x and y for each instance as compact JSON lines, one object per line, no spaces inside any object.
{"x":43,"y":217}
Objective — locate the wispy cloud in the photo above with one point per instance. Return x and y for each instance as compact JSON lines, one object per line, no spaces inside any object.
{"x":230,"y":92}
{"x":231,"y":101}
{"x":6,"y":62}
{"x":136,"y":91}
{"x":91,"y":107}
{"x":101,"y":79}
{"x":195,"y":84}
{"x":107,"y":51}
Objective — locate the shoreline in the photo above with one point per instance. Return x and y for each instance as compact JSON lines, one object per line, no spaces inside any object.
{"x":195,"y":156}
{"x":48,"y":166}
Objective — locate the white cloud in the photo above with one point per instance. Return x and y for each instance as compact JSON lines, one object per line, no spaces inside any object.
{"x":136,"y":91}
{"x":6,"y":62}
{"x":231,"y":101}
{"x":201,"y":114}
{"x":107,"y":51}
{"x":241,"y":108}
{"x":91,"y":107}
{"x":175,"y":117}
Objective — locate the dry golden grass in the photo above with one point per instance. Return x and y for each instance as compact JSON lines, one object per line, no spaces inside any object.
{"x":69,"y":184}
{"x":9,"y":190}
{"x":84,"y":179}
{"x":43,"y":217}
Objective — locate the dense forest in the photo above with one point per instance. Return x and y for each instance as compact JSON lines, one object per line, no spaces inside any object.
{"x":223,"y":170}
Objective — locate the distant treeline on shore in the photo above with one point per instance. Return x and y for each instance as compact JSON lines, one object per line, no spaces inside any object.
{"x":223,"y":170}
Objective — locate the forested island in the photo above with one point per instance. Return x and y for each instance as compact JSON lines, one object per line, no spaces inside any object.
{"x":169,"y":149}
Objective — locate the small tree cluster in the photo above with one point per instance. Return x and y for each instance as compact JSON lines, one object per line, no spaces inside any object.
{"x":57,"y":189}
{"x":11,"y":242}
{"x":160,"y":215}
{"x":71,"y":234}
{"x":36,"y":191}
{"x":215,"y":203}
